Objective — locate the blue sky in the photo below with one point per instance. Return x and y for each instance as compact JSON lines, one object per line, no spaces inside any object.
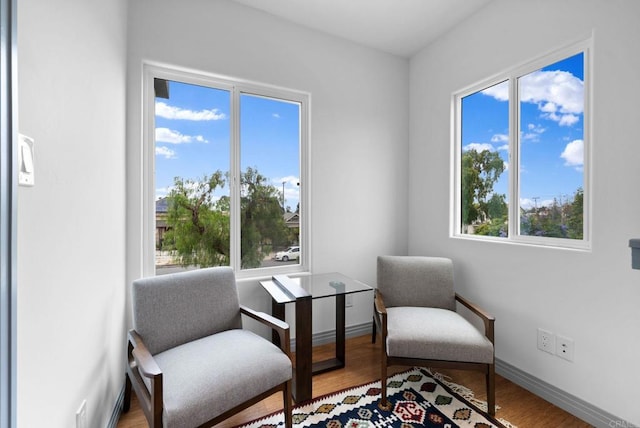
{"x":193,"y":131}
{"x":551,"y":130}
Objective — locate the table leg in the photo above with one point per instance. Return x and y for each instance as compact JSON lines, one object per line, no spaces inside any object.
{"x":340,"y":328}
{"x":277,"y":310}
{"x":302,"y":390}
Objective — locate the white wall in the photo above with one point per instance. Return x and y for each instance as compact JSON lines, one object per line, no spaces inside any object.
{"x":71,"y":225}
{"x":359,"y":122}
{"x":591,"y":297}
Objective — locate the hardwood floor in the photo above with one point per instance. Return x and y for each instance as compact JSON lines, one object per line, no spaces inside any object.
{"x":517,"y":405}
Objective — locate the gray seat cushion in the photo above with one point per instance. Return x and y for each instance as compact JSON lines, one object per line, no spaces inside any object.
{"x":435,"y":334}
{"x":204,"y":378}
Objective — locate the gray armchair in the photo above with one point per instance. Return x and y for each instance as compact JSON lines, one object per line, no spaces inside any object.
{"x":414,"y":311}
{"x":190,"y":362}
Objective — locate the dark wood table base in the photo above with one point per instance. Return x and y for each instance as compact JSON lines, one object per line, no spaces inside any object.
{"x":284,"y":290}
{"x":305,"y":368}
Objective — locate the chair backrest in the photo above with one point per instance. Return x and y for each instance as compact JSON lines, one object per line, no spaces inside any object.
{"x":416,"y":281}
{"x":169,"y":310}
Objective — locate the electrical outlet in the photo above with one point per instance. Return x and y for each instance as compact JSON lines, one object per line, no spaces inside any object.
{"x":81,"y":415}
{"x":348,"y":301}
{"x":564,"y":348}
{"x":546,"y":341}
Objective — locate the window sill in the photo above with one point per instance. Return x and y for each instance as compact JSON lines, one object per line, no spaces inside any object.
{"x":551,"y":243}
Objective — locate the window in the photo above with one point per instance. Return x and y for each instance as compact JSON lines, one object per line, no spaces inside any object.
{"x":228,"y":165}
{"x":522,"y":154}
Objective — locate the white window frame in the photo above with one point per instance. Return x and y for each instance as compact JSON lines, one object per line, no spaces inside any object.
{"x":236,"y":88}
{"x":512,"y":75}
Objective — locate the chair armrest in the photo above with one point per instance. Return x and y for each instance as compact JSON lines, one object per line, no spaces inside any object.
{"x":378,"y":303}
{"x":380,"y":314}
{"x":281,"y":327}
{"x":486,"y":318}
{"x":142,"y":357}
{"x":141,"y":363}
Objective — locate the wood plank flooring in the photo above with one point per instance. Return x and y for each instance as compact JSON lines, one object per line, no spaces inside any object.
{"x":517,"y":405}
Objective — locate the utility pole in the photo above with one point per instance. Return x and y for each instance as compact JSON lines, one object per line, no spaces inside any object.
{"x":283,"y":207}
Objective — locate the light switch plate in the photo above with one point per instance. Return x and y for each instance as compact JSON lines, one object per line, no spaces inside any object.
{"x":25,"y":161}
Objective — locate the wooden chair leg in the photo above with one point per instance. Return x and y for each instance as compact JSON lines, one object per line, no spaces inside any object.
{"x":384,"y":404}
{"x":126,"y":405}
{"x":491,"y":390}
{"x":288,"y":417}
{"x":157,"y":402}
{"x":373,"y":331}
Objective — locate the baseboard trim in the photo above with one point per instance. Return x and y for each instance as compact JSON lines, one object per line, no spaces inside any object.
{"x":574,"y":405}
{"x":117,"y":410}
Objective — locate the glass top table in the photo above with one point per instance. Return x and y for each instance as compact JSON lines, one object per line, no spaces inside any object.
{"x":301,"y":291}
{"x":287,"y":290}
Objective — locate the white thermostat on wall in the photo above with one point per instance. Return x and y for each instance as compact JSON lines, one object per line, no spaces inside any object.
{"x":25,"y":161}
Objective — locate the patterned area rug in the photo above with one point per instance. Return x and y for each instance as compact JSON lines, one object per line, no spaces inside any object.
{"x":419,"y":398}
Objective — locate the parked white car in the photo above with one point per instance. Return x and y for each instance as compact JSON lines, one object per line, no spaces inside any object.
{"x":291,"y":253}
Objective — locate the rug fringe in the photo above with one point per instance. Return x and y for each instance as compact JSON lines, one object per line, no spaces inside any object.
{"x":467,"y":394}
{"x":506,"y":423}
{"x":461,"y":390}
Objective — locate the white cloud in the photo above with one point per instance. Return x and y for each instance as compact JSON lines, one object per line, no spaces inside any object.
{"x":553,"y":91}
{"x":478,"y":147}
{"x":499,"y":138}
{"x":291,"y":189}
{"x":170,"y":112}
{"x":500,"y":91}
{"x":162,"y":192}
{"x":290,"y":179}
{"x":573,"y":154}
{"x":291,"y":184}
{"x":549,"y":107}
{"x":166,"y":135}
{"x":503,"y":148}
{"x":526,"y":203}
{"x":275,"y":116}
{"x":166,"y":152}
{"x":568,"y":119}
{"x":534,"y":132}
{"x":559,"y":95}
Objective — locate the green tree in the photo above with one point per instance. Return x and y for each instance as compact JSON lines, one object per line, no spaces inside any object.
{"x":261,"y":218}
{"x":497,"y":206}
{"x":198,"y":233}
{"x":575,"y":216}
{"x":559,"y":220}
{"x":199,"y":225}
{"x":480,"y":171}
{"x":497,"y":223}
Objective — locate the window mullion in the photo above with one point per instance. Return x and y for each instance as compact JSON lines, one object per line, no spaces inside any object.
{"x":235,"y":182}
{"x":514,"y":159}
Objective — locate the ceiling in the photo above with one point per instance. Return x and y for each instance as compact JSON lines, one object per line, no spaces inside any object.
{"x":400,"y":27}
